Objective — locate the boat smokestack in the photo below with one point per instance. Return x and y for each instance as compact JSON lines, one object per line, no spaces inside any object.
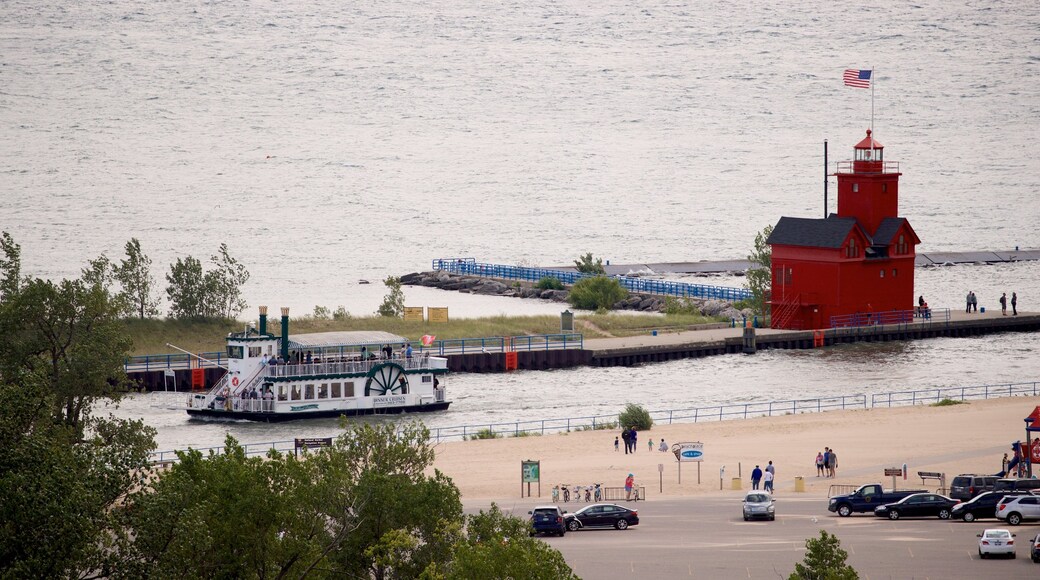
{"x":285,"y":333}
{"x":263,"y":320}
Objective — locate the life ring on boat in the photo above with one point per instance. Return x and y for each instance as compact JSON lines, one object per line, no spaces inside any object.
{"x":234,"y":382}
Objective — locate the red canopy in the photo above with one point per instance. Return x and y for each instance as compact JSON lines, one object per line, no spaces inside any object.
{"x":1033,"y":420}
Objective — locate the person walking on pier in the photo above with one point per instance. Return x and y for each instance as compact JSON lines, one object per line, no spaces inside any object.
{"x":1014,"y":304}
{"x":967,"y":303}
{"x":974,"y":302}
{"x":1003,"y":304}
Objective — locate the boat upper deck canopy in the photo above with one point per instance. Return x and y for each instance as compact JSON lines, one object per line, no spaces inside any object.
{"x":317,"y":340}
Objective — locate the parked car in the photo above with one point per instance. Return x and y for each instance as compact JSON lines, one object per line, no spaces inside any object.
{"x":918,"y":505}
{"x":996,"y":541}
{"x":759,"y":504}
{"x":547,"y":519}
{"x":602,"y":515}
{"x":866,"y":498}
{"x":1010,"y":484}
{"x":1015,"y":508}
{"x":983,"y":505}
{"x":968,"y":485}
{"x":1034,"y":549}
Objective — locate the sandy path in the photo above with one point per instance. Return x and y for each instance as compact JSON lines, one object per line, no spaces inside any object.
{"x":969,"y":438}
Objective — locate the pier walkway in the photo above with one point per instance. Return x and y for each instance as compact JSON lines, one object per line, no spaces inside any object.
{"x":734,"y":266}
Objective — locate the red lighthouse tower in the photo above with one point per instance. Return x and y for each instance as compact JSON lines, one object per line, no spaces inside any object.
{"x":856,"y":265}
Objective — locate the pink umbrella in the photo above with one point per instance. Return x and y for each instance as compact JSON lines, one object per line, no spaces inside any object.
{"x":427,"y":339}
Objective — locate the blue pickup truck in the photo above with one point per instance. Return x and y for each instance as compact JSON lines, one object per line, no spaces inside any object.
{"x":866,"y":498}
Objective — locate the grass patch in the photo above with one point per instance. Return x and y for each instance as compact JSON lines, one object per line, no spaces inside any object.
{"x":604,"y":426}
{"x":527,"y":434}
{"x":948,"y":403}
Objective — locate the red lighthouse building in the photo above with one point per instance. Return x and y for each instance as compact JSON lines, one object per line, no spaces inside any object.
{"x":853,"y":267}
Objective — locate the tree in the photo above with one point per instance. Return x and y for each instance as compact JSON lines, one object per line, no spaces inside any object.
{"x":224,"y":285}
{"x":135,"y":276}
{"x":824,"y":560}
{"x":500,"y":546}
{"x":187,"y":289}
{"x":759,"y":273}
{"x":10,"y":267}
{"x":586,"y":265}
{"x":393,"y":302}
{"x":598,"y":292}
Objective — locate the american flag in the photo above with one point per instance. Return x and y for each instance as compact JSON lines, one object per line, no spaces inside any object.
{"x":857,"y":78}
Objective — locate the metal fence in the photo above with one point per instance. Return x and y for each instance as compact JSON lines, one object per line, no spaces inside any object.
{"x":563,"y":341}
{"x":538,"y":427}
{"x":470,"y":267}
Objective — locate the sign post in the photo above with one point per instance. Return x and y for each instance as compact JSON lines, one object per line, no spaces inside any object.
{"x":660,"y":477}
{"x":530,"y":471}
{"x":689,"y":451}
{"x":893,"y":472}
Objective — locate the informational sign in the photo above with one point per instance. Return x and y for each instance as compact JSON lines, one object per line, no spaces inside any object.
{"x":691,"y":451}
{"x":389,"y":401}
{"x":893,"y":471}
{"x":438,"y":314}
{"x":530,"y":471}
{"x":312,"y":443}
{"x":1034,"y":454}
{"x":413,"y":313}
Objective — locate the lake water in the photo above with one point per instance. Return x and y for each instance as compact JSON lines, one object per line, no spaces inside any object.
{"x":328,"y":143}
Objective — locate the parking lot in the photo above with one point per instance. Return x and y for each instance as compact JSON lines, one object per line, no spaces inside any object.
{"x":706,"y":537}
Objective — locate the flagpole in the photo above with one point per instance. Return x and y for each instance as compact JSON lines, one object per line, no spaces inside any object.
{"x":873,"y":81}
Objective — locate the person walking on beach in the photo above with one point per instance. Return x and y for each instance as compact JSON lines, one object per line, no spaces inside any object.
{"x":819,"y":464}
{"x":626,"y":436}
{"x":650,"y":445}
{"x":630,"y":481}
{"x":767,"y":477}
{"x":615,"y":444}
{"x":1014,"y":304}
{"x":1003,"y":465}
{"x":756,"y":476}
{"x":833,"y":464}
{"x":633,"y":439}
{"x":1003,"y":304}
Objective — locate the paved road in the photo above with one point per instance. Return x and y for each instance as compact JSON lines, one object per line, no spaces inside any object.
{"x":707,"y":538}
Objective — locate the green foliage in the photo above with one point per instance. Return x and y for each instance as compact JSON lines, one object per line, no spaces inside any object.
{"x":322,"y":313}
{"x":599,"y":426}
{"x":10,"y":266}
{"x":194,"y":293}
{"x":598,"y":292}
{"x":586,"y":265}
{"x":527,"y":434}
{"x":549,"y":283}
{"x":635,"y":416}
{"x":484,"y":434}
{"x":499,"y":546}
{"x":134,"y":274}
{"x":948,"y":403}
{"x":824,"y":560}
{"x":340,"y":313}
{"x":393,"y":302}
{"x":758,"y":278}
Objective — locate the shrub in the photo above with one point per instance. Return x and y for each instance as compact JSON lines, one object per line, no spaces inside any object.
{"x":673,"y":305}
{"x":598,"y":292}
{"x":527,"y":434}
{"x":599,"y":426}
{"x":484,"y":434}
{"x":549,"y":283}
{"x":636,"y":416}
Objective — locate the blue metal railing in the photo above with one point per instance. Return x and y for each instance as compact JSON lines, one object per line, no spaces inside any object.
{"x":693,"y":415}
{"x":470,"y":267}
{"x":563,"y":341}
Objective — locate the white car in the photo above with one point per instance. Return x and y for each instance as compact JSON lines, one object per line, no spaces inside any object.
{"x":996,"y":541}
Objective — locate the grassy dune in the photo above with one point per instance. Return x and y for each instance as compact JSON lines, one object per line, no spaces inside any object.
{"x":151,"y":336}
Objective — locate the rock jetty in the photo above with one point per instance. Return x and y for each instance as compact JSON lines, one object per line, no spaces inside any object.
{"x":491,"y":287}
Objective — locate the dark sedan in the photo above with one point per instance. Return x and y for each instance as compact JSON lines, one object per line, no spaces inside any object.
{"x":602,"y":515}
{"x":918,"y":505}
{"x":983,"y":505}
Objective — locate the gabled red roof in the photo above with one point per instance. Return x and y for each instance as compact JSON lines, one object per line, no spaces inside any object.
{"x":1034,"y":420}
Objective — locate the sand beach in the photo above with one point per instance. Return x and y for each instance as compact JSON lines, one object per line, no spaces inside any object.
{"x":965,"y":438}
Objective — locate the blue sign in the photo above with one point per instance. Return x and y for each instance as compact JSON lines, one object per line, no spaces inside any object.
{"x":692,"y":453}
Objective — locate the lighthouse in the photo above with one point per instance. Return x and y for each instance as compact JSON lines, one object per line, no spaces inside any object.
{"x":853,"y":267}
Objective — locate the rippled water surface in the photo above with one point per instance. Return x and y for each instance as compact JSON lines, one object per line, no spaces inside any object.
{"x":330,"y":142}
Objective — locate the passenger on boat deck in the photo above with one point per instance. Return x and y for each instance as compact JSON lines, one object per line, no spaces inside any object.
{"x":408,"y":350}
{"x":263,"y":360}
{"x":253,"y":394}
{"x":309,"y":360}
{"x":364,"y":353}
